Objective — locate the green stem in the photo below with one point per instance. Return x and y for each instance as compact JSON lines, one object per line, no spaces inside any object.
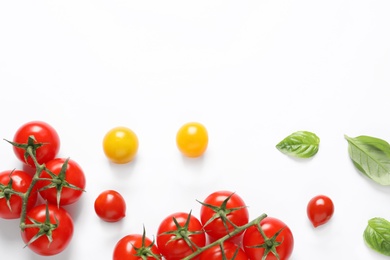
{"x":220,"y":241}
{"x":26,"y":195}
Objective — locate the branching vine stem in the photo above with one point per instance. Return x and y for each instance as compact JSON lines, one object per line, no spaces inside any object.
{"x":220,"y":241}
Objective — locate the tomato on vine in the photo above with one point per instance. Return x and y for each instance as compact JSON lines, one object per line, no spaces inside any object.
{"x":62,"y":182}
{"x":13,"y":184}
{"x":179,"y":235}
{"x":272,"y":239}
{"x":39,"y":134}
{"x":110,"y":206}
{"x":120,"y":145}
{"x":48,"y":229}
{"x":320,"y":210}
{"x":135,"y":247}
{"x":221,"y":212}
{"x":192,"y":139}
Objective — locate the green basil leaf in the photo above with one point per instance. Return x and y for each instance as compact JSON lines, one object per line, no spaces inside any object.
{"x":371,"y":156}
{"x":301,"y":144}
{"x":377,"y":235}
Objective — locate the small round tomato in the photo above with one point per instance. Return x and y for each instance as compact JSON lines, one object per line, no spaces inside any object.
{"x":192,"y":139}
{"x":67,"y":184}
{"x":219,"y":210}
{"x":277,"y":239}
{"x":120,"y":145}
{"x":135,"y":247}
{"x":228,"y":250}
{"x":11,"y":204}
{"x":175,"y":233}
{"x":110,"y":206}
{"x":58,"y":228}
{"x":319,"y":210}
{"x":43,"y":133}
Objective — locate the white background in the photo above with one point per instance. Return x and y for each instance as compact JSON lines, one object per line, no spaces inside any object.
{"x":252,"y":72}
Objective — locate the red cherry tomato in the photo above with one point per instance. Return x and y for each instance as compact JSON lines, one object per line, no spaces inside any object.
{"x":43,"y":133}
{"x":320,"y":210}
{"x":21,"y":181}
{"x":110,"y":206}
{"x":256,"y":246}
{"x":135,"y":247}
{"x":170,"y":235}
{"x":69,"y":183}
{"x":228,"y":251}
{"x":223,"y":204}
{"x":61,"y":235}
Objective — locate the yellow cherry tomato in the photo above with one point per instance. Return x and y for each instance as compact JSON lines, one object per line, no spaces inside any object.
{"x":120,"y":145}
{"x":192,"y":139}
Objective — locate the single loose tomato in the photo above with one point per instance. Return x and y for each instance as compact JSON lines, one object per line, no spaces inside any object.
{"x":320,"y":210}
{"x":42,"y":133}
{"x":192,"y":139}
{"x":110,"y":206}
{"x":11,"y":203}
{"x":176,"y":233}
{"x":276,"y":242}
{"x":120,"y":145}
{"x":227,"y":250}
{"x":55,"y":229}
{"x":219,"y":210}
{"x":135,"y":247}
{"x":66,"y":185}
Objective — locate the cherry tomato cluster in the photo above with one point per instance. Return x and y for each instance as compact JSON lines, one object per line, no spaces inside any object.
{"x":37,"y":197}
{"x":222,"y":231}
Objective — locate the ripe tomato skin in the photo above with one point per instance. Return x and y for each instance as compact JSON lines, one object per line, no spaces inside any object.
{"x":62,"y":235}
{"x":120,"y":145}
{"x":320,"y":209}
{"x":192,"y":139}
{"x":74,"y":175}
{"x":125,"y":248}
{"x":110,"y":206}
{"x":270,"y":226}
{"x":215,"y":252}
{"x":178,"y":249}
{"x":216,"y":229}
{"x":43,"y":133}
{"x":21,"y":181}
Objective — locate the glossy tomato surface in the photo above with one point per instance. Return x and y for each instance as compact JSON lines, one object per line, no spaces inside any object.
{"x":256,"y":246}
{"x":69,"y":182}
{"x":228,"y":250}
{"x":110,"y":206}
{"x":192,"y":139}
{"x":320,"y":210}
{"x":21,"y":181}
{"x":169,"y":235}
{"x":61,"y":235}
{"x":135,"y":247}
{"x":42,"y":133}
{"x":120,"y":145}
{"x":225,"y":204}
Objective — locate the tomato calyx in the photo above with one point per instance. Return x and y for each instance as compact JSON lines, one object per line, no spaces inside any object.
{"x":6,"y":191}
{"x":45,"y":228}
{"x":58,"y":181}
{"x":270,"y":244}
{"x":145,"y":252}
{"x":222,"y":212}
{"x":183,"y":232}
{"x":30,"y":147}
{"x":224,"y":257}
